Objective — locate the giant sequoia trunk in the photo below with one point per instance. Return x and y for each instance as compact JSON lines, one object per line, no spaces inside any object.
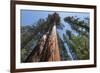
{"x":53,"y":46}
{"x":47,"y":48}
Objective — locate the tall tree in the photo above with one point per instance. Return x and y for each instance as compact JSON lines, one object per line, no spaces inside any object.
{"x":79,"y":44}
{"x":48,"y":49}
{"x":80,"y":26}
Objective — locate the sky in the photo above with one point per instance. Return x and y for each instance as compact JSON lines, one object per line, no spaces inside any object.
{"x":29,"y":17}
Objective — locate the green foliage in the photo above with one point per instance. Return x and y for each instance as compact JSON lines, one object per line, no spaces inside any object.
{"x":79,"y":45}
{"x":53,"y":18}
{"x":77,"y":24}
{"x":24,"y":54}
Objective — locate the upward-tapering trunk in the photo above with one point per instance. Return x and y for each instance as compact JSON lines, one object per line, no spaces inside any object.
{"x":53,"y":46}
{"x":47,"y":48}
